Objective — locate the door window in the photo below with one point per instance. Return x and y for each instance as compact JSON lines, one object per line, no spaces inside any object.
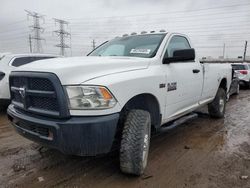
{"x":177,"y":43}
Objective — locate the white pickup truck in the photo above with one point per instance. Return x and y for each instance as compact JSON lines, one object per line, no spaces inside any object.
{"x":115,"y":96}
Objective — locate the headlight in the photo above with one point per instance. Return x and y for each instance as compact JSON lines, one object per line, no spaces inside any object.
{"x":89,"y":98}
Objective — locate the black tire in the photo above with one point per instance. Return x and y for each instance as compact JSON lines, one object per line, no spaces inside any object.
{"x":238,"y":89}
{"x":2,"y":107}
{"x":135,"y":142}
{"x":216,"y":108}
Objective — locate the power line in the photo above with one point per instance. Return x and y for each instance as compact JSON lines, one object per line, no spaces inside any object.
{"x":223,"y":15}
{"x":37,"y":30}
{"x":169,"y":12}
{"x":13,"y":23}
{"x":62,"y":35}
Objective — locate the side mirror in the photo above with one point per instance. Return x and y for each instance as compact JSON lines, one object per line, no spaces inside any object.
{"x":181,"y":55}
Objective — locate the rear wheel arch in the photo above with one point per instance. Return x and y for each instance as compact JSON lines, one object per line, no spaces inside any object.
{"x":223,"y":84}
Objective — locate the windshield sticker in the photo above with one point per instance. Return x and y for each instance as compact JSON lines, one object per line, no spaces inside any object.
{"x":140,"y":51}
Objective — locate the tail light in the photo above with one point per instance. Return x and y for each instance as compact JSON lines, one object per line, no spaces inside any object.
{"x":244,"y":72}
{"x":2,"y":74}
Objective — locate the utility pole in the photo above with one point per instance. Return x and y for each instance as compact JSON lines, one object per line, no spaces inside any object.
{"x":93,"y":44}
{"x":245,"y":52}
{"x":62,"y":35}
{"x":70,"y":43}
{"x":37,"y":30}
{"x":224,"y":49}
{"x":30,"y":43}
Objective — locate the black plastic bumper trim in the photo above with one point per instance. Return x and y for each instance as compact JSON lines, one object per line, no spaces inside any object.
{"x":83,"y":136}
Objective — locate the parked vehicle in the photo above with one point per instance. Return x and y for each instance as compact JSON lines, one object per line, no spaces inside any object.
{"x":243,"y":71}
{"x":235,"y":84}
{"x":8,"y":63}
{"x":116,"y":96}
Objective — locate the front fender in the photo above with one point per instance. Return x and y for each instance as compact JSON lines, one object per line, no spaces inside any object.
{"x":126,"y":85}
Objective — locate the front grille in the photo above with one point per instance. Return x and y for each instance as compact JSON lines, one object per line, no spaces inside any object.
{"x":41,"y":84}
{"x":39,"y":93}
{"x":44,"y":103}
{"x":17,"y":97}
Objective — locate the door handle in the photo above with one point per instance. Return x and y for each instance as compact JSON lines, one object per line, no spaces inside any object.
{"x":195,"y":71}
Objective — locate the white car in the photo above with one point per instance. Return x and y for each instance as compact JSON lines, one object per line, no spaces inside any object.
{"x":116,"y":96}
{"x":8,"y":63}
{"x":243,"y":73}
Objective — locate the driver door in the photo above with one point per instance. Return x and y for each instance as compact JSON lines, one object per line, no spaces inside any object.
{"x":184,"y":80}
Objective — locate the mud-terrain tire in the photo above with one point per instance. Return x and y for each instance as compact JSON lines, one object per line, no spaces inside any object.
{"x":238,"y":89}
{"x":135,"y":142}
{"x":216,"y":108}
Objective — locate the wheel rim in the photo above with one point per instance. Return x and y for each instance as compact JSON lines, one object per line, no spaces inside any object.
{"x":145,"y":150}
{"x":222,"y":105}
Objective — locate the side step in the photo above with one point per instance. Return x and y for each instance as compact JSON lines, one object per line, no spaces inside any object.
{"x":178,"y":122}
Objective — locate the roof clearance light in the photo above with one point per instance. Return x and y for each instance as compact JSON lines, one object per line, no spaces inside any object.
{"x":134,"y":33}
{"x":144,"y":32}
{"x":162,"y":31}
{"x":152,"y":31}
{"x":125,"y":35}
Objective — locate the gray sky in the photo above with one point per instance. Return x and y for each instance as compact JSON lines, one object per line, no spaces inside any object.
{"x":209,"y":23}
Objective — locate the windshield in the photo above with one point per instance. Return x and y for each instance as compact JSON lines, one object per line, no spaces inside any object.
{"x":239,"y":67}
{"x":145,"y":46}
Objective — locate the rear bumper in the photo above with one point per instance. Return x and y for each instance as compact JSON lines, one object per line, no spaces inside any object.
{"x":243,"y":82}
{"x":83,"y":136}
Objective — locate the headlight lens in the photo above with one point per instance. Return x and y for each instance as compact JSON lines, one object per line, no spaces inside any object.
{"x":89,"y":97}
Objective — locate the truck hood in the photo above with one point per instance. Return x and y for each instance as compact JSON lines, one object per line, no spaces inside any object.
{"x":77,"y":70}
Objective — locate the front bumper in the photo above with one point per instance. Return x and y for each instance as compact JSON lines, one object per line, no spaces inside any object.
{"x":83,"y":136}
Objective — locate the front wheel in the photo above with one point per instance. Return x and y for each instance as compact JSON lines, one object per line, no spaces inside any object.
{"x":135,"y":142}
{"x":216,"y":108}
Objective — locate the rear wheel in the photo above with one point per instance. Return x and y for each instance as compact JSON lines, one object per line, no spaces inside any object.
{"x":135,"y":142}
{"x":238,"y":89}
{"x":216,"y":108}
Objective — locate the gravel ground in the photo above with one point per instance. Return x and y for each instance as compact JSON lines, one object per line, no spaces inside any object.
{"x":201,"y":153}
